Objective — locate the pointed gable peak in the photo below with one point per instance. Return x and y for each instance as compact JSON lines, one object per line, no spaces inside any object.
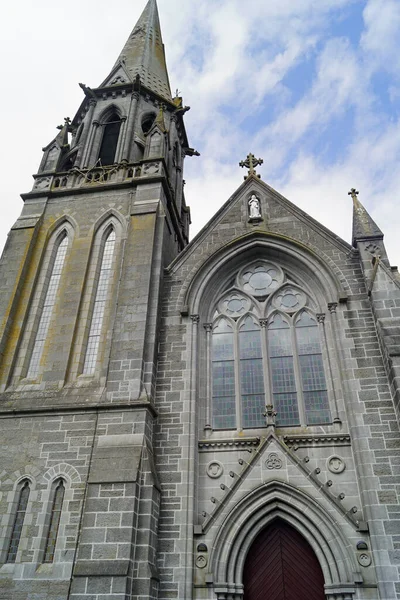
{"x":364,"y":227}
{"x":143,"y":53}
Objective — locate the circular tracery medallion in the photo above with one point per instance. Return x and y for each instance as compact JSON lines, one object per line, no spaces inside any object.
{"x":261,"y":279}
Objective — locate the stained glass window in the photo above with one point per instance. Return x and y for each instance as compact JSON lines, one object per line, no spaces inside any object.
{"x":18,"y":523}
{"x":54,"y":524}
{"x":223,"y":376}
{"x":265,"y":349}
{"x":312,"y":371}
{"x":251,"y":375}
{"x":48,"y":305}
{"x":282,"y":372}
{"x":103,"y":281}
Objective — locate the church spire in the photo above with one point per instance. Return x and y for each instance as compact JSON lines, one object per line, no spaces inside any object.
{"x":143,"y":53}
{"x":364,"y":227}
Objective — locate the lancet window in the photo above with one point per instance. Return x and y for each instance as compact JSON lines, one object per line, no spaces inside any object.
{"x":266,"y":349}
{"x":54,"y":523}
{"x":99,"y":304}
{"x":19,"y":518}
{"x":50,"y":295}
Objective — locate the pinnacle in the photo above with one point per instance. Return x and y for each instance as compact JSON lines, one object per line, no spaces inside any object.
{"x":364,"y":227}
{"x":143,"y":53}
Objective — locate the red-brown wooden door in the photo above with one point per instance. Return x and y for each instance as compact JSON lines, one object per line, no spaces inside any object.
{"x":281,"y":565}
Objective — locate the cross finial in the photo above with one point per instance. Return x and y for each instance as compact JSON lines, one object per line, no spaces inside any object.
{"x":250,"y":162}
{"x":353,"y":193}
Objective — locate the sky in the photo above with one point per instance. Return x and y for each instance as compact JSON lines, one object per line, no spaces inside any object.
{"x":310,"y":86}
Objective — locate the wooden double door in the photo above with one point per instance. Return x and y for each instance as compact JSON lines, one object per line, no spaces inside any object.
{"x":281,"y":565}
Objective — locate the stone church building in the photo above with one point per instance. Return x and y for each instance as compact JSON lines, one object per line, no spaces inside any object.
{"x":214,"y":419}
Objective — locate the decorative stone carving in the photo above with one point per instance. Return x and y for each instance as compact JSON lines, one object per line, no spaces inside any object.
{"x":235,"y":305}
{"x":42,"y":184}
{"x":254,"y":208}
{"x":374,"y":249}
{"x":151,"y":168}
{"x":332,"y":306}
{"x":261,"y":279}
{"x":118,"y":79}
{"x":273,"y":461}
{"x":289,"y":299}
{"x":214,"y":469}
{"x":364,"y":558}
{"x":201,"y":562}
{"x":336,"y":464}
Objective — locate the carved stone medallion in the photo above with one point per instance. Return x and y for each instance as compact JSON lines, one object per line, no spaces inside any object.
{"x":273,"y":461}
{"x":214,"y":469}
{"x":336,"y":464}
{"x":364,"y":559}
{"x":201,"y":562}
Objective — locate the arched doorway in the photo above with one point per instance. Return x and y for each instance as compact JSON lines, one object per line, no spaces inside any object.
{"x":281,"y":565}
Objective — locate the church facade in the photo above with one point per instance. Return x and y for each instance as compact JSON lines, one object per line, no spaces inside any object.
{"x":214,"y":419}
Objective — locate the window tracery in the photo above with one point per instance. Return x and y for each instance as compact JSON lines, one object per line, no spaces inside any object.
{"x":265,"y":345}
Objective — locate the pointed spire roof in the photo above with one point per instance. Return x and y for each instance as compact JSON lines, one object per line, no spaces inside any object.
{"x":364,"y":227}
{"x":143,"y":53}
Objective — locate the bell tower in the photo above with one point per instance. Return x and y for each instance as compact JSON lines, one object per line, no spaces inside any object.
{"x":80,"y":302}
{"x":120,"y":158}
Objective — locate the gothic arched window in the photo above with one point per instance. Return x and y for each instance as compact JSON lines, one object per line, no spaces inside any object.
{"x":23,"y":497}
{"x":49,"y":296}
{"x":266,"y":349}
{"x":109,"y":142}
{"x":99,"y":304}
{"x":54,"y":522}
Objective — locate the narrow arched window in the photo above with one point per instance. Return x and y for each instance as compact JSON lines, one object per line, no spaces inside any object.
{"x":109,"y":141}
{"x":54,"y":524}
{"x":99,"y":305}
{"x":251,"y":374}
{"x":18,"y":522}
{"x":282,"y":372}
{"x":313,"y":381}
{"x":223,"y":376}
{"x":53,"y":280}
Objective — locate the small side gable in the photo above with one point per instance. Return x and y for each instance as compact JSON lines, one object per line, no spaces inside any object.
{"x":118,"y":76}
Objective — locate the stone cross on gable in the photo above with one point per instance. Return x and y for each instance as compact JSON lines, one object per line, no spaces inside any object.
{"x":353,"y":193}
{"x":250,"y":163}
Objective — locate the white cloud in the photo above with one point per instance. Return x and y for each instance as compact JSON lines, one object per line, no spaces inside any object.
{"x":380,"y":39}
{"x":221,"y":54}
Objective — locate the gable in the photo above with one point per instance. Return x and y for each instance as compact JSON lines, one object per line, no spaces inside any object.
{"x":118,"y":76}
{"x":273,"y":214}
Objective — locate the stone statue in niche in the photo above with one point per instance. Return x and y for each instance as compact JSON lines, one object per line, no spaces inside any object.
{"x":254,"y":208}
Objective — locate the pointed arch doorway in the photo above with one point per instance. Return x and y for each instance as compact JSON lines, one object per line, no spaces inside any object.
{"x":281,"y":565}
